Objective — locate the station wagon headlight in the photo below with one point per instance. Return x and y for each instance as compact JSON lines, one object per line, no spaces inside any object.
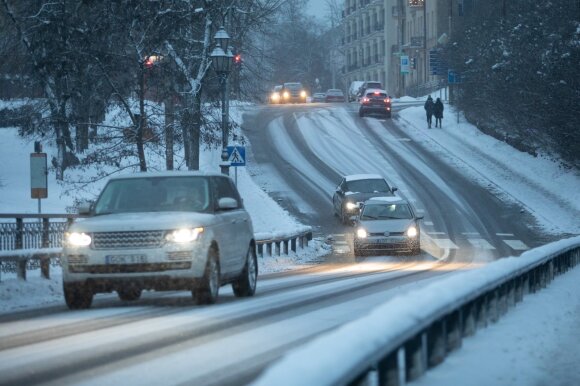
{"x":361,"y":233}
{"x":412,"y":231}
{"x":77,"y":239}
{"x":184,"y":235}
{"x":351,"y":206}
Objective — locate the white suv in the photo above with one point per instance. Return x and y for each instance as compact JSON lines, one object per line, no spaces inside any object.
{"x":161,"y":231}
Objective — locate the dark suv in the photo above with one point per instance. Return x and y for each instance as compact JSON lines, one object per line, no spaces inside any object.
{"x":293,"y":92}
{"x":355,"y":189}
{"x":368,"y":85}
{"x":375,"y":101}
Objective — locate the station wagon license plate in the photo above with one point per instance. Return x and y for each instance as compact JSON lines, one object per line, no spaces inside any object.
{"x":126,"y":259}
{"x":389,"y":240}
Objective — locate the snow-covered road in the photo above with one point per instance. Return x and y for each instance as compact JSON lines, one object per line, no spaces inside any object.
{"x":482,"y":200}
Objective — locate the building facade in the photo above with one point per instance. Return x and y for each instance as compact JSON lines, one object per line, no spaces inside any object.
{"x":377,"y":33}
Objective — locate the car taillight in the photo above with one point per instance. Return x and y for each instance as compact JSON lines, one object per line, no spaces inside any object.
{"x":366,"y":100}
{"x":387,"y":100}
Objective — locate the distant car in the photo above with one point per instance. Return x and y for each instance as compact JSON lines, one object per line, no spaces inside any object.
{"x":276,"y":95}
{"x":334,"y":95}
{"x":161,"y":231}
{"x":375,"y":101}
{"x":368,"y":85}
{"x":387,"y":224}
{"x":293,"y":92}
{"x":354,"y":190}
{"x":354,"y":90}
{"x":319,"y":97}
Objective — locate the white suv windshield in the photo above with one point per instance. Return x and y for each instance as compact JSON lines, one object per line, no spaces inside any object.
{"x":154,"y":194}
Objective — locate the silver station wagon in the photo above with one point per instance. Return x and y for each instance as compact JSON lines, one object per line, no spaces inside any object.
{"x":387,"y":224}
{"x":161,"y":231}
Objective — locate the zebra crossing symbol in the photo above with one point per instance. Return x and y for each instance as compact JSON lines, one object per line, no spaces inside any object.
{"x":236,"y":155}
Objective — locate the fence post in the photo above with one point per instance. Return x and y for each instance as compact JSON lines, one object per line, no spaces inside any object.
{"x":19,"y":244}
{"x":45,"y":263}
{"x":269,"y":248}
{"x":469,"y":319}
{"x":454,"y":330}
{"x":436,"y":343}
{"x":492,"y":313}
{"x":388,"y":370}
{"x":481,"y":312}
{"x":415,"y":357}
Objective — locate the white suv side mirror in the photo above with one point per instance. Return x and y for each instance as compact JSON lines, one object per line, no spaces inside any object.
{"x":84,"y":208}
{"x":227,"y":203}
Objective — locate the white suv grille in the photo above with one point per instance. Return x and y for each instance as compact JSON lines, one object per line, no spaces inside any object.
{"x":141,"y":239}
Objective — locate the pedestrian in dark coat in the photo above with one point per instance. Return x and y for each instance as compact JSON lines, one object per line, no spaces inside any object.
{"x":438,"y":112}
{"x":429,"y":107}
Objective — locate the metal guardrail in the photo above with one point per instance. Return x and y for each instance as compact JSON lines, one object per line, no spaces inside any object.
{"x":269,"y":244}
{"x":29,"y":245}
{"x":397,"y":338}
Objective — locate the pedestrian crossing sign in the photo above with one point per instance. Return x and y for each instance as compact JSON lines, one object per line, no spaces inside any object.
{"x":236,"y":155}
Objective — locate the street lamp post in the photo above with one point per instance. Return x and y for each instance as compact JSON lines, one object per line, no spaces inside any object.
{"x":221,"y":58}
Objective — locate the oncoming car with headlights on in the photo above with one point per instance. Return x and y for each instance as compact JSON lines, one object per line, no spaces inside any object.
{"x":355,"y":189}
{"x":293,"y":92}
{"x":276,"y":95}
{"x":387,"y":224}
{"x":161,"y":231}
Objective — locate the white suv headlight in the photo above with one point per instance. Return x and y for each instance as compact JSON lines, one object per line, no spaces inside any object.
{"x":184,"y":235}
{"x":412,"y":231}
{"x":76,"y":239}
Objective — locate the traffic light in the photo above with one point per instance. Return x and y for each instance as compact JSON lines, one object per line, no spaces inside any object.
{"x":413,"y":63}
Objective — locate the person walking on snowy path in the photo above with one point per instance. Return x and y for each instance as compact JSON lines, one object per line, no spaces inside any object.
{"x":429,"y":106}
{"x":438,"y":112}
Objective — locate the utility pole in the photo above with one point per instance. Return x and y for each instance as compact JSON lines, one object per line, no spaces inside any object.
{"x":425,"y":40}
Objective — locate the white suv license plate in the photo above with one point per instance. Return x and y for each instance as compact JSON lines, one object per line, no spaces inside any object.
{"x":126,"y":259}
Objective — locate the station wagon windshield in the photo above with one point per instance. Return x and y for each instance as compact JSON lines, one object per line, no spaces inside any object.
{"x":386,"y":211}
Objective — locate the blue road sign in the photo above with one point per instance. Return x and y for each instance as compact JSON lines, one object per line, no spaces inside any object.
{"x":453,"y":77}
{"x":236,"y":155}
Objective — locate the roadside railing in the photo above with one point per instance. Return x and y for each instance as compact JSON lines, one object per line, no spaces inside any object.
{"x":414,"y":332}
{"x":31,"y":241}
{"x":277,"y":244}
{"x":34,"y":241}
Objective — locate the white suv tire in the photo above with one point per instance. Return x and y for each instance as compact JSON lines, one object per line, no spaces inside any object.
{"x":246,"y":284}
{"x":207,"y":288}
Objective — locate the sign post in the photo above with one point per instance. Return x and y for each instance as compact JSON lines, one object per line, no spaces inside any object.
{"x":236,"y":157}
{"x":38,"y":175}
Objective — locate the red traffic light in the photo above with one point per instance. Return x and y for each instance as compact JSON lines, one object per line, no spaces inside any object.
{"x":238,"y":59}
